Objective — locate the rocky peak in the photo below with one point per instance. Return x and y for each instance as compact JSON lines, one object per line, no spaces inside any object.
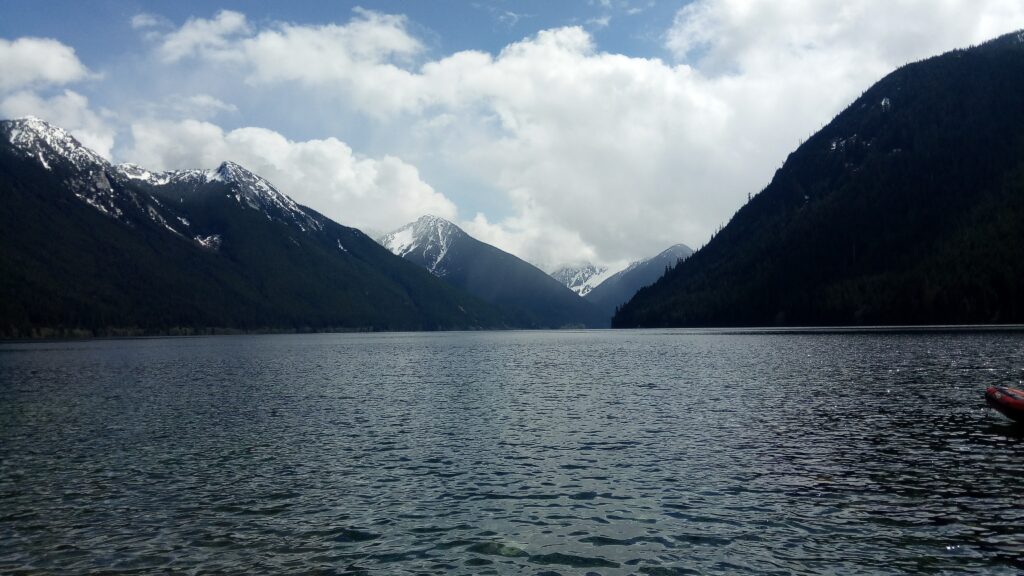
{"x":50,"y":145}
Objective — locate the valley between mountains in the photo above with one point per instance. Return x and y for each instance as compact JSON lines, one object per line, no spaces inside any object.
{"x":93,"y":248}
{"x":907,"y":208}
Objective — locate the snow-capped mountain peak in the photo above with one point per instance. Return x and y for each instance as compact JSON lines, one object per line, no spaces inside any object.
{"x":244,"y":186}
{"x":39,"y":139}
{"x":114,"y":190}
{"x":194,"y":177}
{"x":136,"y":172}
{"x":83,"y":173}
{"x":579,"y":279}
{"x":258,"y":193}
{"x":431,"y":235}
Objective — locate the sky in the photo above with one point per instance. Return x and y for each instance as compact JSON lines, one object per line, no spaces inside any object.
{"x":563,"y":132}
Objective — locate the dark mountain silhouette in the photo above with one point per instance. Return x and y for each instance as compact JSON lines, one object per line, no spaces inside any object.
{"x":620,"y":287}
{"x":530,"y":296}
{"x":89,"y":248}
{"x":908,"y":208}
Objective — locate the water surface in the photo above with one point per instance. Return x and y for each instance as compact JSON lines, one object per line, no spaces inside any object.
{"x":649,"y":452}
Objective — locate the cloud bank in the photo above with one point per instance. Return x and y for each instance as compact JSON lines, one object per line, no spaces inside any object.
{"x":30,"y":68}
{"x":599,"y":155}
{"x":582,"y":154}
{"x":33,"y":62}
{"x":324,"y":174}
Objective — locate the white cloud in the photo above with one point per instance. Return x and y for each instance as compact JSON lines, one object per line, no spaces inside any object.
{"x":599,"y":154}
{"x":202,"y":106}
{"x":179,"y":106}
{"x":30,"y":68}
{"x":359,"y":57}
{"x":35,"y":62}
{"x":151,"y":26}
{"x":69,"y":110}
{"x":596,"y":153}
{"x":145,"y":20}
{"x":376,"y":195}
{"x":521,"y":235}
{"x":206,"y":38}
{"x":735,"y":36}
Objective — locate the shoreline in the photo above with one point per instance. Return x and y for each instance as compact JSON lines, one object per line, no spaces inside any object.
{"x":79,"y":335}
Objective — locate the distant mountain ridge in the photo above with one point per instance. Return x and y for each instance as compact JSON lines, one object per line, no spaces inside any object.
{"x":580,"y":279}
{"x":907,"y":208}
{"x":93,"y":248}
{"x":520,"y":289}
{"x":426,"y":241}
{"x":617,"y":289}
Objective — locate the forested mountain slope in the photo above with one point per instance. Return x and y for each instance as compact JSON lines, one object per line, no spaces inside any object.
{"x":907,"y":208}
{"x":91,"y":248}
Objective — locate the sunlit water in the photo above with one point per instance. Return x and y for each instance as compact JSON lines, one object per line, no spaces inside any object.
{"x":513,"y":453}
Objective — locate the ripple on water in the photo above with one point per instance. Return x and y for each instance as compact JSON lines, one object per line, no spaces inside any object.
{"x":612,"y":453}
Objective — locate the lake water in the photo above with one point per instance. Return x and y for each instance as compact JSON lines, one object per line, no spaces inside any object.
{"x":647,"y":452}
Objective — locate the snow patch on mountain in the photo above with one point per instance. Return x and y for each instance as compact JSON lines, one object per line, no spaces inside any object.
{"x":401,"y":241}
{"x":36,"y":138}
{"x":156,"y":216}
{"x":575,"y":277}
{"x":582,"y":279}
{"x":430,"y":235}
{"x":140,"y":175}
{"x":247,"y":188}
{"x":257,"y":193}
{"x":50,"y":146}
{"x":136,"y":172}
{"x":609,"y":272}
{"x":101,"y":204}
{"x":211,"y":242}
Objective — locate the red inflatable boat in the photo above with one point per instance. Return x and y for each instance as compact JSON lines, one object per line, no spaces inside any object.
{"x":1009,"y":401}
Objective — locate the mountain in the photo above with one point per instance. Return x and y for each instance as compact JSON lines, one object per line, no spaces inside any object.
{"x":581,"y":279}
{"x":907,"y":208}
{"x":531,"y":297}
{"x":87,"y":247}
{"x":617,"y":289}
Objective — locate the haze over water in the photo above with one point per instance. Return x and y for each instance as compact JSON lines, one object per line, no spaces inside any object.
{"x":655,"y":452}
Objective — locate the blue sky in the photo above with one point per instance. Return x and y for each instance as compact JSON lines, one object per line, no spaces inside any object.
{"x":102,"y":27}
{"x":562,"y":132}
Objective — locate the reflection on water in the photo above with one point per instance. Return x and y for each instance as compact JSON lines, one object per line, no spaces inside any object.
{"x":603,"y":452}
